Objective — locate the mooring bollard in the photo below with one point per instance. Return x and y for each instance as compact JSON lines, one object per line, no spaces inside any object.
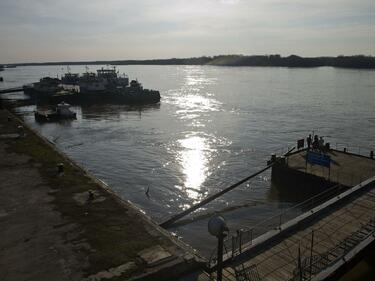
{"x":91,"y":195}
{"x":60,"y":168}
{"x":328,"y":146}
{"x":345,"y":149}
{"x":273,"y":157}
{"x":20,"y":131}
{"x":282,"y":160}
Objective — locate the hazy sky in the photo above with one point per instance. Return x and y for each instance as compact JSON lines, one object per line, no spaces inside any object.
{"x":50,"y":30}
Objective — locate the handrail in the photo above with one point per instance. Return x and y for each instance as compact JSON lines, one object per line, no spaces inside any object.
{"x":354,"y":149}
{"x":238,"y":243}
{"x":337,"y":176}
{"x":274,"y":222}
{"x":319,"y":262}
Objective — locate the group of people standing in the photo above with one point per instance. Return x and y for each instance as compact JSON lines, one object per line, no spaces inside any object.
{"x":315,"y":143}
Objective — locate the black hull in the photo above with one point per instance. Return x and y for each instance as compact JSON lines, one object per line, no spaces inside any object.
{"x":105,"y":98}
{"x":34,"y":94}
{"x":130,"y":98}
{"x":54,"y":117}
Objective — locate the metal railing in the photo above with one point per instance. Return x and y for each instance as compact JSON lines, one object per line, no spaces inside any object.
{"x":236,"y":243}
{"x":309,"y":262}
{"x":338,"y":176}
{"x":354,"y":149}
{"x":314,"y":264}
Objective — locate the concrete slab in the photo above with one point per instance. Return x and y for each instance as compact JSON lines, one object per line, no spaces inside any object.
{"x":112,"y":272}
{"x":9,"y":136}
{"x":155,"y":255}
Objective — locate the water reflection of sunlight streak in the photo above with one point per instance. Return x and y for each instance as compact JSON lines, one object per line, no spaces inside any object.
{"x":194,"y":161}
{"x":193,"y":99}
{"x":196,"y":103}
{"x":195,"y":151}
{"x":194,"y":154}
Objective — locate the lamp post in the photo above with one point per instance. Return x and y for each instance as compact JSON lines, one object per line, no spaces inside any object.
{"x":217,"y":227}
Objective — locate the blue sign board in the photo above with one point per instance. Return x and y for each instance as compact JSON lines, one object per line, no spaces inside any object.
{"x":318,"y":159}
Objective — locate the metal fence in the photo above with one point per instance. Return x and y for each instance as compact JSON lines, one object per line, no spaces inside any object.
{"x":243,"y":238}
{"x":354,"y":149}
{"x":314,"y":264}
{"x":309,"y":262}
{"x":338,"y":176}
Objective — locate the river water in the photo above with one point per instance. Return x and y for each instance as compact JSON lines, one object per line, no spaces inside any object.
{"x":213,"y":127}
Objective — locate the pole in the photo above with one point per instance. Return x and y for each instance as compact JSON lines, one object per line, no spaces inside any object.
{"x":311,"y":251}
{"x":329,"y":172}
{"x":219,"y":271}
{"x":299,"y":262}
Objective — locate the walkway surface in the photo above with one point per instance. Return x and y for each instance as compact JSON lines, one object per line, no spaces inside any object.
{"x":334,"y":232}
{"x":68,"y":226}
{"x":346,"y":169}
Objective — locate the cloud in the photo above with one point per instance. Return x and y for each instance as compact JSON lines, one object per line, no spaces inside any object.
{"x":115,"y":29}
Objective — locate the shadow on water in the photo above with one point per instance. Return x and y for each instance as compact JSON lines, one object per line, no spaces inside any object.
{"x":291,"y":193}
{"x":115,"y":111}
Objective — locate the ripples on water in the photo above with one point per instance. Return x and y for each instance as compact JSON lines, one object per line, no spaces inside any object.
{"x":214,"y":126}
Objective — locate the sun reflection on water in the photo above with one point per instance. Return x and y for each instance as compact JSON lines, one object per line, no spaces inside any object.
{"x":194,"y":162}
{"x":194,"y":97}
{"x":194,"y":103}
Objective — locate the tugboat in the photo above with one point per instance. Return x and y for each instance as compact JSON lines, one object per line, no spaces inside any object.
{"x":89,"y":82}
{"x":62,"y":112}
{"x":70,"y":79}
{"x":43,"y":89}
{"x":104,"y":86}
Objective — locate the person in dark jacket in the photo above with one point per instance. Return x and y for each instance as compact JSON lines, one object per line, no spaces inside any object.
{"x":308,"y":140}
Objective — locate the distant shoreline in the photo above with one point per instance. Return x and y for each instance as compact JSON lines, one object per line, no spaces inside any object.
{"x":356,"y":62}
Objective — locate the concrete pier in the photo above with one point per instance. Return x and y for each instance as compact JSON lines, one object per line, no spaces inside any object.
{"x":346,"y":168}
{"x":314,"y":245}
{"x":316,"y":238}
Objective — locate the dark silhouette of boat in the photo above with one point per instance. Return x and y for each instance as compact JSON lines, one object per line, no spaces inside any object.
{"x":105,"y":86}
{"x":61,"y":112}
{"x":133,"y":94}
{"x":43,"y":89}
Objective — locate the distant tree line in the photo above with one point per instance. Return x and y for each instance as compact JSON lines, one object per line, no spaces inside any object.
{"x":358,"y":61}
